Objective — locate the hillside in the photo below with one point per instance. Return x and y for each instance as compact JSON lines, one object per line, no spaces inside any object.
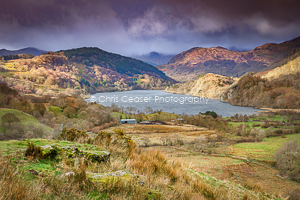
{"x":206,"y":85}
{"x":281,"y":93}
{"x":289,"y":65}
{"x":276,"y":88}
{"x":121,"y":64}
{"x":189,"y":64}
{"x":85,"y":70}
{"x":29,"y":50}
{"x":28,"y":127}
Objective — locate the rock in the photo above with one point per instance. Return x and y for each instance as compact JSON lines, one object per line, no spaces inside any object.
{"x":101,"y":156}
{"x":32,"y":171}
{"x":49,"y":151}
{"x":69,"y":174}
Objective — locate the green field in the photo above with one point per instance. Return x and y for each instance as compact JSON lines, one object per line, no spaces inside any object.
{"x":24,"y":117}
{"x":114,"y":114}
{"x":262,"y":150}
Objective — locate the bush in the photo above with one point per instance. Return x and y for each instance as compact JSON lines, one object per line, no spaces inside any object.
{"x":72,"y":134}
{"x":288,"y":160}
{"x":40,"y":107}
{"x":69,"y":112}
{"x":8,"y":120}
{"x":200,"y":142}
{"x":254,"y":132}
{"x":211,"y":113}
{"x":261,"y":135}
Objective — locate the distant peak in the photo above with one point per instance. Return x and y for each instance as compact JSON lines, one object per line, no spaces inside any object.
{"x":154,"y":54}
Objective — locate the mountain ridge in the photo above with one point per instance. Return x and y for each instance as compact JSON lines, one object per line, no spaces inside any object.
{"x":219,"y":60}
{"x":84,"y":69}
{"x":27,"y":50}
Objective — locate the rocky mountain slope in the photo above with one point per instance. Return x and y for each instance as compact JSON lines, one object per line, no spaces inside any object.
{"x":189,"y":64}
{"x":85,"y":69}
{"x":206,"y":85}
{"x":276,"y":88}
{"x":289,"y":65}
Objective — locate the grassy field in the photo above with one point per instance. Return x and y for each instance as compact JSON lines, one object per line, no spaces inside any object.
{"x":24,"y":118}
{"x":264,"y":150}
{"x":172,"y":179}
{"x":155,"y":132}
{"x":233,"y":170}
{"x":114,"y":114}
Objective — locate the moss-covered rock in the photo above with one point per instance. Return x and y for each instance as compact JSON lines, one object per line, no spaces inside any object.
{"x":99,"y":156}
{"x":49,"y":151}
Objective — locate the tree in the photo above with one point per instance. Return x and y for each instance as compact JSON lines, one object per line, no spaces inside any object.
{"x":70,"y":112}
{"x":149,"y":110}
{"x":40,"y":107}
{"x":7,"y":120}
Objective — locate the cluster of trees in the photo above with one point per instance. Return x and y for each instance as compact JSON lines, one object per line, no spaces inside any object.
{"x":74,"y":111}
{"x":253,"y":91}
{"x":10,"y":98}
{"x":208,"y":120}
{"x":69,"y":109}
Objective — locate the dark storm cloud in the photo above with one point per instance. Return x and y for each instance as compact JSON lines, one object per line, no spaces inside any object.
{"x":136,"y":27}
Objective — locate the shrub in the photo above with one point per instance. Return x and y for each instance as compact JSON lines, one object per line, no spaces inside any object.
{"x":72,"y":134}
{"x":211,"y":113}
{"x":10,"y":118}
{"x":200,"y":142}
{"x":288,"y":160}
{"x":254,"y":132}
{"x":146,"y":141}
{"x":7,"y":120}
{"x":70,"y":112}
{"x":103,"y":137}
{"x":261,"y":135}
{"x":32,"y":150}
{"x":278,"y":132}
{"x":40,"y":107}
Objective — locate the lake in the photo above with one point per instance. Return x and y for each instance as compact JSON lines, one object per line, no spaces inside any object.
{"x":168,"y":102}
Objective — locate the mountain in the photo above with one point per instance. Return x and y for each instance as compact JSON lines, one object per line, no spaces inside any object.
{"x":29,"y":50}
{"x":123,"y":65}
{"x":155,"y":58}
{"x":84,"y":69}
{"x":275,"y":88}
{"x":291,"y":67}
{"x":218,"y":60}
{"x":206,"y":85}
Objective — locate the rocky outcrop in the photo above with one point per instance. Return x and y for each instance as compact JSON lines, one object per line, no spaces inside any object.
{"x":291,"y":67}
{"x":206,"y":85}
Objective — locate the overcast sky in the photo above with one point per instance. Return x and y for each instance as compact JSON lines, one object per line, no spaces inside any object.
{"x":137,"y":27}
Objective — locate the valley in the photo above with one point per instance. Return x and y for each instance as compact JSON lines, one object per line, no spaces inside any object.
{"x":55,"y":144}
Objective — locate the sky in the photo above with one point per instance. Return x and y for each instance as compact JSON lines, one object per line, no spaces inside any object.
{"x":136,"y":27}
